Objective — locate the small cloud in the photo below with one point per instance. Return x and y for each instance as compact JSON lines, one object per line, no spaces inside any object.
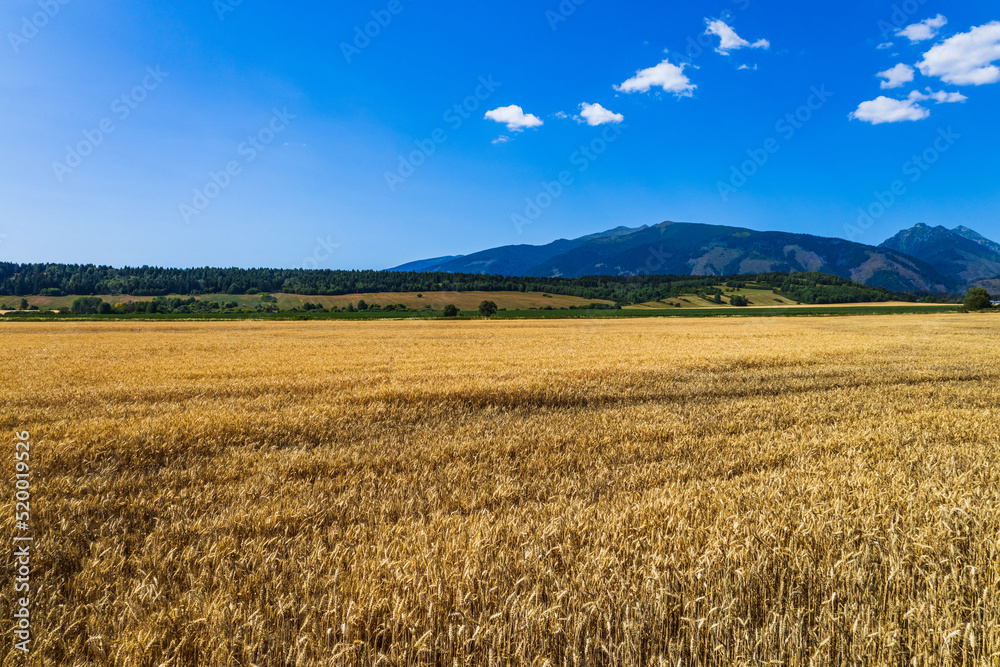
{"x":562,"y":115}
{"x":514,"y":117}
{"x":595,"y":114}
{"x":884,"y":45}
{"x":887,"y":110}
{"x":966,"y":58}
{"x":666,"y":75}
{"x":948,"y":98}
{"x":729,"y":40}
{"x":940,"y":97}
{"x":897,"y":76}
{"x":920,"y":32}
{"x":754,"y":68}
{"x":502,"y":139}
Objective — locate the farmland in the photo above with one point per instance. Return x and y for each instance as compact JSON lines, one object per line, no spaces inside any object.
{"x":645,"y":491}
{"x":757,"y":298}
{"x":435,"y":300}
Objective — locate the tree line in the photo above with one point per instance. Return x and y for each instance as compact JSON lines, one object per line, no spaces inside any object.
{"x":92,"y":280}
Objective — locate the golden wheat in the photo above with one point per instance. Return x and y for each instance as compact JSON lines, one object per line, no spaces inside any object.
{"x":661,"y":492}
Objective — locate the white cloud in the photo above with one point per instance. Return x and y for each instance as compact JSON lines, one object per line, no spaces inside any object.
{"x":897,"y":76}
{"x":940,"y":97}
{"x":729,"y":40}
{"x":595,"y":114}
{"x":666,"y":75}
{"x":920,"y":32}
{"x":742,"y":67}
{"x":884,"y":45}
{"x":514,"y":117}
{"x":560,"y":115}
{"x":887,"y":110}
{"x":967,"y":58}
{"x":947,"y":98}
{"x":502,"y":139}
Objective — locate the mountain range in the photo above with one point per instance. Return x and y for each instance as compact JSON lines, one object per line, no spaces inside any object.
{"x":920,"y":259}
{"x":961,"y":252}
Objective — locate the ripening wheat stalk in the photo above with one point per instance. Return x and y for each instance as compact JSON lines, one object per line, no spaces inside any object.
{"x":659,"y":492}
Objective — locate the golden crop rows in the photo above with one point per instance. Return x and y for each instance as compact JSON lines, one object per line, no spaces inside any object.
{"x":818,"y":491}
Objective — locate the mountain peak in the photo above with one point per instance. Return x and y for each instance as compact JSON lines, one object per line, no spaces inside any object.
{"x":976,"y":237}
{"x":959,"y":252}
{"x":924,"y":227}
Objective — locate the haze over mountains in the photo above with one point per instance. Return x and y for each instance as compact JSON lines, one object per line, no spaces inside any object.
{"x":921,"y":259}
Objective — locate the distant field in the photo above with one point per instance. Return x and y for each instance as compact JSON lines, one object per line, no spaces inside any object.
{"x":757,"y":297}
{"x":436,"y":300}
{"x":537,"y":314}
{"x":510,"y":301}
{"x":804,"y":310}
{"x":632,"y":492}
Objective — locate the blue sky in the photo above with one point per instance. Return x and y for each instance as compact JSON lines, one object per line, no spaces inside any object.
{"x":228,"y":133}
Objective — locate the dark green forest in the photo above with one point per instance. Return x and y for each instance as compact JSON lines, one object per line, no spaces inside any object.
{"x":89,"y":280}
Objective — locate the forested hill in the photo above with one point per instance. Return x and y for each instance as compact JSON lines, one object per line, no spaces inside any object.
{"x":88,"y":280}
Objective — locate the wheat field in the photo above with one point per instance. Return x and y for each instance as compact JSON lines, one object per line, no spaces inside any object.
{"x":818,"y":491}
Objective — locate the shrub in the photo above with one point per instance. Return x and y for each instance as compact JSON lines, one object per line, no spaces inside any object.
{"x":85,"y":305}
{"x":977,"y":299}
{"x":487,"y":309}
{"x":450,"y":311}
